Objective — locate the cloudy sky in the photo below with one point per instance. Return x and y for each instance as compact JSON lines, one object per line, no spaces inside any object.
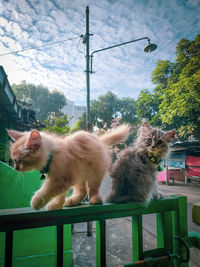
{"x":54,"y":28}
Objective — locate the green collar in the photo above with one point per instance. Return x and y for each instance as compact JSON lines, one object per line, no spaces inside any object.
{"x":45,"y":169}
{"x":154,"y":160}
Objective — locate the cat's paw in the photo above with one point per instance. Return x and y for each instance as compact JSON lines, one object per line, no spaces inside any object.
{"x":37,"y":203}
{"x":54,"y":206}
{"x":158,"y":195}
{"x":96,"y":200}
{"x":70,"y":201}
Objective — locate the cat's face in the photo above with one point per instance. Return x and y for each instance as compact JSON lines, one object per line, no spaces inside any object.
{"x":25,"y":150}
{"x":155,"y":140}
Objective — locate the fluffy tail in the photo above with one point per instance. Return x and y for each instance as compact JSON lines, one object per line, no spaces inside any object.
{"x":116,"y":136}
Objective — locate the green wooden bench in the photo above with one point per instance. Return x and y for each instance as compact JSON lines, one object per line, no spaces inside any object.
{"x":171,"y":231}
{"x":43,"y":238}
{"x":196,"y":213}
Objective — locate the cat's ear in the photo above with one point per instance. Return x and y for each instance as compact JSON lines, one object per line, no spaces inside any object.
{"x":15,"y":135}
{"x":171,"y":134}
{"x":34,"y":141}
{"x":145,"y":124}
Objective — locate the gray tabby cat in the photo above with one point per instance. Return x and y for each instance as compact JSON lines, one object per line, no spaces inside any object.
{"x":134,"y":173}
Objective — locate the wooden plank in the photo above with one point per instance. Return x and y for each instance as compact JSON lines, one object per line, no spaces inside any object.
{"x":193,"y":239}
{"x":60,"y":245}
{"x":196,"y":213}
{"x":101,"y":243}
{"x":27,"y":218}
{"x":182,"y":224}
{"x":8,"y":248}
{"x":160,"y":230}
{"x":168,"y":232}
{"x":175,"y":228}
{"x":68,"y":245}
{"x":165,"y":232}
{"x":137,"y":238}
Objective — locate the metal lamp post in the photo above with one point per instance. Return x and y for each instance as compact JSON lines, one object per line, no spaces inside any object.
{"x":148,"y":48}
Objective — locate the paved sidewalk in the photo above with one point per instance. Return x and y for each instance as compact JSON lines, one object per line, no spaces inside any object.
{"x":118,"y":232}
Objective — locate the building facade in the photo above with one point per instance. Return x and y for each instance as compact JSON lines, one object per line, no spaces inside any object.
{"x":74,"y":112}
{"x":14,"y":114}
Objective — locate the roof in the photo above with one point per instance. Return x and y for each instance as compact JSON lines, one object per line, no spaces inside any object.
{"x":9,"y":107}
{"x":16,"y":112}
{"x":193,"y":146}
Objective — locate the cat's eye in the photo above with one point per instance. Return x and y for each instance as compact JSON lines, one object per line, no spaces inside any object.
{"x":148,"y":141}
{"x":159,"y":142}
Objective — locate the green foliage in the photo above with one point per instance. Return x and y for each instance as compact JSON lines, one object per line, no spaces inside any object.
{"x":127,"y":109}
{"x":81,"y":123}
{"x":175,"y":101}
{"x":106,"y":108}
{"x":147,"y":106}
{"x":162,"y":72}
{"x":181,"y":102}
{"x":58,"y":124}
{"x":131,"y":136}
{"x":42,"y":100}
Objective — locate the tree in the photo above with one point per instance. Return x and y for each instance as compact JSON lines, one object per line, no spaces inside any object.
{"x":180,"y":90}
{"x":58,"y":124}
{"x":127,"y":110}
{"x":147,"y":106}
{"x":56,"y":101}
{"x":107,"y":108}
{"x":162,"y":73}
{"x":81,"y":123}
{"x":42,"y":100}
{"x":174,"y":102}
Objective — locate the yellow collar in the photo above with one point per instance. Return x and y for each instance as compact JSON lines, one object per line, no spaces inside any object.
{"x":152,"y":158}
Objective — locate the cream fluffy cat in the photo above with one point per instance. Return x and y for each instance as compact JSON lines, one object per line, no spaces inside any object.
{"x":80,"y":160}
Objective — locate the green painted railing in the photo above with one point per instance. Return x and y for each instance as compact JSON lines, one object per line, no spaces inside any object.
{"x":171,"y":250}
{"x":43,"y":238}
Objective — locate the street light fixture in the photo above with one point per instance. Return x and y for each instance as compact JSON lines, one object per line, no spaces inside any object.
{"x":148,"y":49}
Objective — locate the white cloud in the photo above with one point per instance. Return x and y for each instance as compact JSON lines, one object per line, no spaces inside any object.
{"x":125,"y":70}
{"x":3,"y":22}
{"x":194,"y":3}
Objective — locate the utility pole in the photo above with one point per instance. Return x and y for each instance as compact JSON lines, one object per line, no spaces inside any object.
{"x":88,"y":124}
{"x":87,"y":42}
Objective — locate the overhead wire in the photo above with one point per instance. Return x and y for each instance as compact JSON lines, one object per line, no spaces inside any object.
{"x":36,"y":47}
{"x":178,"y":37}
{"x":39,"y":46}
{"x":167,"y":45}
{"x":70,"y":39}
{"x":77,"y":46}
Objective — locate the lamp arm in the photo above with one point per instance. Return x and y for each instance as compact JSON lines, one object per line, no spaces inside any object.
{"x":113,"y":46}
